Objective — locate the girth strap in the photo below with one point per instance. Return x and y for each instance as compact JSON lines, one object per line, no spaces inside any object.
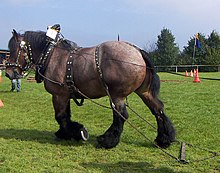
{"x":69,"y":70}
{"x":70,"y":80}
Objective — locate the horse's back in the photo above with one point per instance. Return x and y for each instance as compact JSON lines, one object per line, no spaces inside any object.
{"x":122,"y":51}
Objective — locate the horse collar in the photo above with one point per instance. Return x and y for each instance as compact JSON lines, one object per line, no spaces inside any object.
{"x":41,"y":64}
{"x":45,"y":53}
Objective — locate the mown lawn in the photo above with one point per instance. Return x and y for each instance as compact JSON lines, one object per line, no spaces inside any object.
{"x":27,"y":127}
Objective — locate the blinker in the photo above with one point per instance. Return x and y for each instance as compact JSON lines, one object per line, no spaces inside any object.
{"x":22,"y":44}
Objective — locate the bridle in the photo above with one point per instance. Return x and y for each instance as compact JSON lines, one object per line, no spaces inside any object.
{"x":28,"y":56}
{"x":52,"y":39}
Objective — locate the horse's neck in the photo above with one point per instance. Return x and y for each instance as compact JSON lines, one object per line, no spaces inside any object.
{"x":37,"y":52}
{"x":36,"y":56}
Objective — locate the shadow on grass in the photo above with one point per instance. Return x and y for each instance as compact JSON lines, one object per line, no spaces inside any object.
{"x":49,"y":137}
{"x":139,"y":143}
{"x":5,"y":91}
{"x":40,"y":136}
{"x":127,"y":167}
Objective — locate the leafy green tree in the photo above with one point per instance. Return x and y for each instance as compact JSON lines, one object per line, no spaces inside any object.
{"x":209,"y":54}
{"x":167,"y":50}
{"x":212,"y":49}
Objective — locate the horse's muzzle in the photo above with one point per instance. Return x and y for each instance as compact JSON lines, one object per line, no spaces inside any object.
{"x":12,"y":73}
{"x":9,"y":74}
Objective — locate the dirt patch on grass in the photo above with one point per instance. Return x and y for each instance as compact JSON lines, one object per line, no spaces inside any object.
{"x":175,"y":81}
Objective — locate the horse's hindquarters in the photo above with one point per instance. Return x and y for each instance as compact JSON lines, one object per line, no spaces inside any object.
{"x":123,"y":67}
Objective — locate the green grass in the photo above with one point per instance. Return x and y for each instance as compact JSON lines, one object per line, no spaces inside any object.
{"x":27,"y":127}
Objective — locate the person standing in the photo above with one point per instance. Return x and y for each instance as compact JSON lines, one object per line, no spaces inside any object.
{"x":13,"y":84}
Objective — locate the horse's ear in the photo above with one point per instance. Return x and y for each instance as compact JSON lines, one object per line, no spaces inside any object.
{"x":15,"y":34}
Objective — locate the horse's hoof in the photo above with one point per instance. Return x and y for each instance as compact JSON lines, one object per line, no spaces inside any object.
{"x":107,"y":142}
{"x":99,"y":146}
{"x":84,"y":134}
{"x":162,"y":144}
{"x":56,"y":139}
{"x":61,"y":134}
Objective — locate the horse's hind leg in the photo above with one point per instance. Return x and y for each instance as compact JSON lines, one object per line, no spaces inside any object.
{"x":112,"y":136}
{"x":68,"y":129}
{"x":165,"y":130}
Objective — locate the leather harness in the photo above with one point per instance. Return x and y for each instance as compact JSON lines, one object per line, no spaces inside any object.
{"x":75,"y":93}
{"x":70,"y":78}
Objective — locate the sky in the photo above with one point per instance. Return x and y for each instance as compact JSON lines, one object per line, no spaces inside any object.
{"x":91,"y":22}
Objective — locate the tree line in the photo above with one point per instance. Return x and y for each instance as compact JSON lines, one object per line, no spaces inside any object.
{"x":165,"y":52}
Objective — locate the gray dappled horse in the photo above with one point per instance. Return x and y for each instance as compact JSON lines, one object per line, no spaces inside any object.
{"x":117,"y":65}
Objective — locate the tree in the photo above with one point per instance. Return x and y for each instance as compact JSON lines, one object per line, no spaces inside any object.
{"x":167,"y":51}
{"x":151,"y":48}
{"x":191,"y":57}
{"x":209,"y":54}
{"x":212,"y":49}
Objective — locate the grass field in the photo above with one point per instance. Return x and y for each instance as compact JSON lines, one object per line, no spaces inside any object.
{"x":27,"y":127}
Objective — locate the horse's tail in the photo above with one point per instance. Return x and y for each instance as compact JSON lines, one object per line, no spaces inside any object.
{"x":155,"y":80}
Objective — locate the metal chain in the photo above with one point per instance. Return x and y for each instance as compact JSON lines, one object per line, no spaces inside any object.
{"x":215,"y":154}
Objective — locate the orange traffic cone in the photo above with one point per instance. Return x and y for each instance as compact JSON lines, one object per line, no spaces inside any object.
{"x":196,"y":79}
{"x":1,"y":103}
{"x":186,"y":74}
{"x":195,"y":71}
{"x":191,"y":73}
{"x":0,"y":76}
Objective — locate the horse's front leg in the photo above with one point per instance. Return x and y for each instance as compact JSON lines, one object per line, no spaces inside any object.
{"x":68,"y":129}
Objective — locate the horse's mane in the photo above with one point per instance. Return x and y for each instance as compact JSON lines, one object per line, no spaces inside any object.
{"x":67,"y":44}
{"x":12,"y":44}
{"x":37,"y":39}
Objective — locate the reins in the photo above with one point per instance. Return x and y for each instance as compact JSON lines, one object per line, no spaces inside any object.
{"x":130,"y":124}
{"x":97,"y":59}
{"x":181,"y":158}
{"x":50,"y":80}
{"x":183,"y":144}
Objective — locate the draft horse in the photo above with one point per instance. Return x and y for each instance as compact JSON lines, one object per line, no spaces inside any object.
{"x":116,"y":68}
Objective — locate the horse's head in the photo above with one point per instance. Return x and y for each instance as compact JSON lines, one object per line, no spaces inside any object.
{"x":21,"y":55}
{"x":18,"y":60}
